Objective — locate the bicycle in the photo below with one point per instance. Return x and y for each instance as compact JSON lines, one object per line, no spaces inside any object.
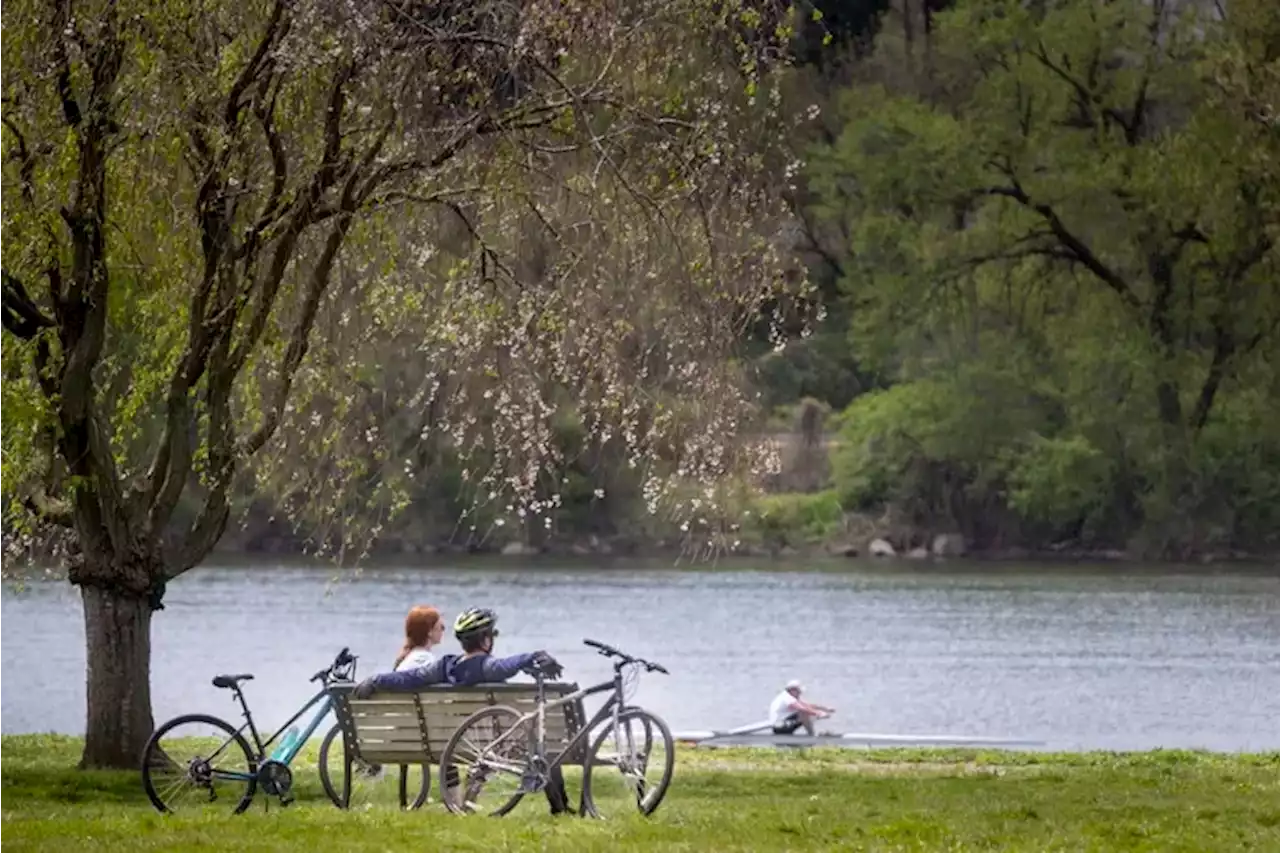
{"x":517,"y":748}
{"x":208,"y":753}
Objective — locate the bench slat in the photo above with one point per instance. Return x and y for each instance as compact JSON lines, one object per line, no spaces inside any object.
{"x":383,"y":756}
{"x":391,"y":737}
{"x":388,"y":709}
{"x":456,"y":709}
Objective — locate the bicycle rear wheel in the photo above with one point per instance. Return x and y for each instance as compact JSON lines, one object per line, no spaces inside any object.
{"x":486,"y":761}
{"x":193,"y":759}
{"x":629,"y":766}
{"x":371,"y":784}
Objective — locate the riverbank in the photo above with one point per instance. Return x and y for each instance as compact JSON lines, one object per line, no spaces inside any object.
{"x":687,"y":551}
{"x":781,"y":529}
{"x":720,"y":800}
{"x":848,"y":536}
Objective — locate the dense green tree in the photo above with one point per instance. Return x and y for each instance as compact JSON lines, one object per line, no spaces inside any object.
{"x":1064,"y":253}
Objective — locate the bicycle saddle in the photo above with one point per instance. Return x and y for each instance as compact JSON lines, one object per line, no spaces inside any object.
{"x":231,"y":680}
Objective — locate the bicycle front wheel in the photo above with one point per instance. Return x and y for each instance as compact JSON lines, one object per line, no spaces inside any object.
{"x":484,"y":767}
{"x":371,"y":784}
{"x":629,"y":766}
{"x":198,"y":764}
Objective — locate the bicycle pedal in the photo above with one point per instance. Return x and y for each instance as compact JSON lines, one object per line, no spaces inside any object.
{"x":532,"y":784}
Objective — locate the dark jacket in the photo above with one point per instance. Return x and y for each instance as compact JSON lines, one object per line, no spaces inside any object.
{"x":452,"y":669}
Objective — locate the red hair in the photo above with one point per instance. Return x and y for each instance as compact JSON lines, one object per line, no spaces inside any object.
{"x":418,"y":626}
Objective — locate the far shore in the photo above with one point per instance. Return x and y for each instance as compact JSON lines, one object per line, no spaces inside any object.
{"x":1020,"y":562}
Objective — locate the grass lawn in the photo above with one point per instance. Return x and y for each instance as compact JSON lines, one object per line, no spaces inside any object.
{"x":720,"y":800}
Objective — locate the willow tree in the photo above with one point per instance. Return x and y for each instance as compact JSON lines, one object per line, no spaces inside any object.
{"x":209,"y":209}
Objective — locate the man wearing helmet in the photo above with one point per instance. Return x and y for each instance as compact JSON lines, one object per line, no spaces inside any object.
{"x":476,"y":628}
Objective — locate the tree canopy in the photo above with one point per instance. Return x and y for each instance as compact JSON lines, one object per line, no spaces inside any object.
{"x":1075,"y":226}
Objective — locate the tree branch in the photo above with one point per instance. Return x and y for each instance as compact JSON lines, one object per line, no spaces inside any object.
{"x":26,"y":160}
{"x":1084,"y":97}
{"x":306,"y":210}
{"x":1224,"y":346}
{"x":171,"y":464}
{"x":22,"y":317}
{"x":60,"y":26}
{"x":1073,"y":244}
{"x":212,"y":521}
{"x":271,"y":210}
{"x":277,"y":26}
{"x":1088,"y":102}
{"x":299,"y":339}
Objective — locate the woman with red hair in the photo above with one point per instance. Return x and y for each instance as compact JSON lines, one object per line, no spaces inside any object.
{"x":423,"y":629}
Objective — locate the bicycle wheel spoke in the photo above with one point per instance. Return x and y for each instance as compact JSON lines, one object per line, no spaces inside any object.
{"x":175,"y":788}
{"x":473,"y":750}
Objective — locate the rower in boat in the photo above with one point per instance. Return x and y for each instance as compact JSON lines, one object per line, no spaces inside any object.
{"x":788,"y":712}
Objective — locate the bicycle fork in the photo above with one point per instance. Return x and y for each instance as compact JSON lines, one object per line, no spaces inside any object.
{"x":630,"y":763}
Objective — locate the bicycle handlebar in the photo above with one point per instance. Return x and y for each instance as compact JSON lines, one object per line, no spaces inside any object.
{"x":610,"y":652}
{"x":343,"y":660}
{"x":604,"y":648}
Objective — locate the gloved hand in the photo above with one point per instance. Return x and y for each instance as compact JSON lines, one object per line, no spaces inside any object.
{"x":547,"y":665}
{"x":365,"y":688}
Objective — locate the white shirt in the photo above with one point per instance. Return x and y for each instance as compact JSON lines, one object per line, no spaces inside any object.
{"x":416,"y":658}
{"x":780,"y":707}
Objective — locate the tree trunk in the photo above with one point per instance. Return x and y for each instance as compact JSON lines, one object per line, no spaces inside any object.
{"x":117,"y":629}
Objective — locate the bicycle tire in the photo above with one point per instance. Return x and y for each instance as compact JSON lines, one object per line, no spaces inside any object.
{"x":153,"y":754}
{"x":448,"y":757}
{"x":331,"y":780}
{"x":652,"y":724}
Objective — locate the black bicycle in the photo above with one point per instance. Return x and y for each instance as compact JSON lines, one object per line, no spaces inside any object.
{"x":197,"y":761}
{"x":499,"y":754}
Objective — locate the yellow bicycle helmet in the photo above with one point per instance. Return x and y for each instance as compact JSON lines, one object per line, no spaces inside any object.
{"x":474,"y":620}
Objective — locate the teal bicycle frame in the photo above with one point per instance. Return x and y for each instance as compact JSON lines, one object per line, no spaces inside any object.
{"x":326,"y":705}
{"x":343,"y":671}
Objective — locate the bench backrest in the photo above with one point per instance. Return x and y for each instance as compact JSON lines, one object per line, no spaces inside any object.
{"x":413,"y":728}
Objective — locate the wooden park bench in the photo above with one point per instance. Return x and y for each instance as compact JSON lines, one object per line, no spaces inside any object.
{"x":412,"y":728}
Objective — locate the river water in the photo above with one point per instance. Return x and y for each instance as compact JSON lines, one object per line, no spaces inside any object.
{"x":1102,"y":658}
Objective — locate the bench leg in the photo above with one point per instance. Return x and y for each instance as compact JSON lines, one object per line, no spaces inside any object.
{"x":404,"y":787}
{"x":346,"y":781}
